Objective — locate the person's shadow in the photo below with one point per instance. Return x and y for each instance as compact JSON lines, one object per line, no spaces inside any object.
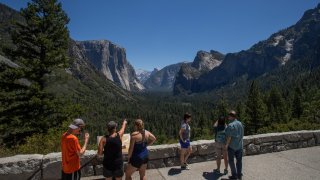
{"x":174,"y":171}
{"x":211,"y":175}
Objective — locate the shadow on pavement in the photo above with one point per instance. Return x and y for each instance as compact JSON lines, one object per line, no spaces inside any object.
{"x":174,"y":171}
{"x":211,"y":175}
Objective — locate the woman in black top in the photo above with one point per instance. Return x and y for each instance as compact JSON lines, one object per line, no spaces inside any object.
{"x":111,"y":147}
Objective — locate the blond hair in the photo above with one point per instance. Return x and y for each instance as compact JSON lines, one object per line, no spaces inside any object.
{"x":139,"y":124}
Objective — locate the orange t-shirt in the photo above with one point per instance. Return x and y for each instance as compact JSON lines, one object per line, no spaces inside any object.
{"x":69,"y":148}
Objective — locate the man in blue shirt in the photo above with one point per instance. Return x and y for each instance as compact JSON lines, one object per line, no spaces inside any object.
{"x":234,"y":134}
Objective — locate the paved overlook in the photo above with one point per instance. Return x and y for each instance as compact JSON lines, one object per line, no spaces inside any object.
{"x":299,"y":164}
{"x":289,"y":155}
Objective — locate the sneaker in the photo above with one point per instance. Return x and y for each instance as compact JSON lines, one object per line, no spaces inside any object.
{"x":184,"y":167}
{"x":186,"y":164}
{"x":225,"y":171}
{"x":216,"y":171}
{"x":233,"y":177}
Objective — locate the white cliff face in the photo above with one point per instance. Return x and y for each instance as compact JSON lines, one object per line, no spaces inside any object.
{"x":288,"y":47}
{"x":276,"y":40}
{"x":281,"y":42}
{"x":206,"y":61}
{"x":111,"y":61}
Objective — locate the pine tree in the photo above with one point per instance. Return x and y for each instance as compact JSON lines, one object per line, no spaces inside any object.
{"x":255,"y":109}
{"x":297,"y":108}
{"x":241,"y":112}
{"x":41,"y":46}
{"x":222,"y":108}
{"x":276,"y":107}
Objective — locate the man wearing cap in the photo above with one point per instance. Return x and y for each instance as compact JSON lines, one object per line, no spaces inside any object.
{"x":234,"y":135}
{"x":71,"y":151}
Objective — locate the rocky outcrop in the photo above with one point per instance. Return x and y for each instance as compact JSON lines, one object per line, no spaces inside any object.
{"x":49,"y":166}
{"x":297,"y":43}
{"x":186,"y":78}
{"x":162,"y":80}
{"x":111,"y":61}
{"x":205,"y":61}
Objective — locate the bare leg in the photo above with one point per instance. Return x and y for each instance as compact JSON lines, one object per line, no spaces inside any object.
{"x":182,"y":156}
{"x":218,"y":162}
{"x":142,"y":172}
{"x":189,"y":151}
{"x":225,"y":158}
{"x":130,"y":170}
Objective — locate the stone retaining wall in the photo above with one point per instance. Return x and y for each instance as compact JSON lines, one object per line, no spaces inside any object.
{"x":37,"y":166}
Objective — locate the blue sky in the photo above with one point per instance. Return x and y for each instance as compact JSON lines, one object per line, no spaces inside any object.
{"x":157,"y":33}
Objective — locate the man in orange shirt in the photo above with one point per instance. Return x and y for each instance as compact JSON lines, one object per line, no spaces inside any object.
{"x":71,"y":151}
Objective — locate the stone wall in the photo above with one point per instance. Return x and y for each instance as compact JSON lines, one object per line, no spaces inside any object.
{"x":37,"y":166}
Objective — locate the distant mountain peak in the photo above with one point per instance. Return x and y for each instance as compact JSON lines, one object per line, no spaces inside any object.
{"x":296,"y":43}
{"x":143,"y":75}
{"x":205,"y":61}
{"x":163,"y":79}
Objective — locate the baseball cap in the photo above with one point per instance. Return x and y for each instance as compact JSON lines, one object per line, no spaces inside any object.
{"x":111,"y":125}
{"x":76,"y":124}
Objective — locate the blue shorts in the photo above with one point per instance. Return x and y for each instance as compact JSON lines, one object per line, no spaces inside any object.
{"x":184,"y":145}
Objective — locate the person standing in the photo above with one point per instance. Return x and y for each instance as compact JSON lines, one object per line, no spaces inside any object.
{"x":184,"y":140}
{"x":234,"y":144}
{"x":111,"y":147}
{"x":71,"y":151}
{"x":138,"y":153}
{"x":220,"y":139}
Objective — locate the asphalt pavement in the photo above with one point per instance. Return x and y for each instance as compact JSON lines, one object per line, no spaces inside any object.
{"x":297,"y":164}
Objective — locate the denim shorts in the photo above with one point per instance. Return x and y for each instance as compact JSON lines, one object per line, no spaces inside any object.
{"x":184,"y":145}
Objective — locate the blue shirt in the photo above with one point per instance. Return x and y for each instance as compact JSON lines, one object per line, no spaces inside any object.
{"x":235,"y":131}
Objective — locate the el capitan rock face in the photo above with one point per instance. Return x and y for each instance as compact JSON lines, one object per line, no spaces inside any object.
{"x":294,"y":44}
{"x":111,"y":61}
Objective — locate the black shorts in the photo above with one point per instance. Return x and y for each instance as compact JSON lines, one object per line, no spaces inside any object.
{"x":112,"y":173}
{"x":72,"y":176}
{"x":138,"y":162}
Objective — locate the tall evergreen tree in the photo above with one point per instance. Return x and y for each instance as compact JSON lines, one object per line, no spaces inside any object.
{"x":41,"y":46}
{"x":241,"y":111}
{"x":222,"y":108}
{"x":255,"y":109}
{"x":276,"y":106}
{"x":297,"y":108}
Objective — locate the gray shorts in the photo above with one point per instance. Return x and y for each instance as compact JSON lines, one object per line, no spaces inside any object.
{"x":220,"y":147}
